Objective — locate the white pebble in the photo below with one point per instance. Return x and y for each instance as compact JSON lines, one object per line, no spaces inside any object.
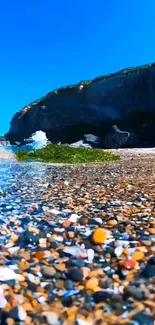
{"x":13,"y":267}
{"x":87,"y":232}
{"x":90,"y":253}
{"x":7,"y":274}
{"x":3,"y":301}
{"x":13,"y":249}
{"x":59,"y":238}
{"x":99,"y":220}
{"x":74,"y":217}
{"x":83,"y":322}
{"x":66,"y":183}
{"x":52,"y":317}
{"x":21,"y":313}
{"x":54,"y":211}
{"x":118,"y":251}
{"x":41,"y":300}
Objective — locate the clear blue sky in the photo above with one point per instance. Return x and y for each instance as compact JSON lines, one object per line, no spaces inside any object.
{"x":45,"y":44}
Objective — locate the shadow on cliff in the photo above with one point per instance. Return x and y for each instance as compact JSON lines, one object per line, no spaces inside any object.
{"x":141,"y":124}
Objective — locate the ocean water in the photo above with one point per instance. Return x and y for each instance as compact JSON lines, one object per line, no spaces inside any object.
{"x":37,"y":140}
{"x":8,"y":148}
{"x":21,"y":184}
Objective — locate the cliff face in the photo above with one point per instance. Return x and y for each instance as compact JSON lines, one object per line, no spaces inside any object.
{"x":88,"y":107}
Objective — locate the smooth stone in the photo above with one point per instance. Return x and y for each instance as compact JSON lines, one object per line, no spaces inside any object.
{"x":69,"y":285}
{"x":143,"y":319}
{"x":149,"y":271}
{"x":67,"y":301}
{"x":32,"y":238}
{"x":74,"y":251}
{"x":127,"y":264}
{"x":49,"y":271}
{"x":118,"y":251}
{"x":82,"y":322}
{"x":91,"y":284}
{"x":7,"y":274}
{"x":51,"y":317}
{"x":91,"y":254}
{"x":151,"y":261}
{"x":100,"y":296}
{"x":75,"y":274}
{"x":136,"y":293}
{"x":99,"y":236}
{"x":73,"y":218}
{"x":18,"y":313}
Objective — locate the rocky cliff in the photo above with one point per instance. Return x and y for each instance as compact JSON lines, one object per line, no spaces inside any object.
{"x":125,"y":98}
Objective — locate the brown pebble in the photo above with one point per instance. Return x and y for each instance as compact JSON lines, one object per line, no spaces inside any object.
{"x":49,"y":271}
{"x":70,"y":234}
{"x":24,"y":265}
{"x":60,"y":267}
{"x":39,"y":255}
{"x":10,"y":321}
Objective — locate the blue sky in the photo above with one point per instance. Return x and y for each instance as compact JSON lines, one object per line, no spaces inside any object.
{"x":45,"y":44}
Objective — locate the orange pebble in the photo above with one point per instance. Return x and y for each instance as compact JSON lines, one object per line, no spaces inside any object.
{"x":66,"y":223}
{"x":126,"y":251}
{"x":99,"y":236}
{"x":138,"y":256}
{"x":71,"y":234}
{"x":152,"y":231}
{"x":24,"y":265}
{"x":112,"y":222}
{"x":91,"y":284}
{"x":39,"y":255}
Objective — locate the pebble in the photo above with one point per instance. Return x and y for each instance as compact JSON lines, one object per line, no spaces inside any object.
{"x":143,"y":319}
{"x":75,"y":274}
{"x":73,"y":218}
{"x":138,"y":256}
{"x":91,"y":255}
{"x":92,"y":284}
{"x":149,"y":271}
{"x":49,"y":271}
{"x":52,"y":317}
{"x":99,"y":236}
{"x":66,"y":223}
{"x":118,"y":251}
{"x":7,"y":274}
{"x":128,"y":264}
{"x":133,"y":291}
{"x":101,"y":296}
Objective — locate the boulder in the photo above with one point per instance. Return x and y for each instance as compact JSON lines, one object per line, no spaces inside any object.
{"x":115,"y":138}
{"x":88,"y":141}
{"x":92,"y":140}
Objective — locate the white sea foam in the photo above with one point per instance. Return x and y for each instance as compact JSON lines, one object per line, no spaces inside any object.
{"x":39,"y":139}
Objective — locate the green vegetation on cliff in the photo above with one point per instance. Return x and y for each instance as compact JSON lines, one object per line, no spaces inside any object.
{"x":61,"y":154}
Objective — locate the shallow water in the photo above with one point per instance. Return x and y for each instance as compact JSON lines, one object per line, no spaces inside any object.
{"x":21,"y":184}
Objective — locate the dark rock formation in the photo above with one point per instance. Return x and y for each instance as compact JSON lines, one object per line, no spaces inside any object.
{"x":115,"y":138}
{"x":125,"y":98}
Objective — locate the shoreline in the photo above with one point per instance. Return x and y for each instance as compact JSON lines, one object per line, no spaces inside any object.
{"x":127,"y":153}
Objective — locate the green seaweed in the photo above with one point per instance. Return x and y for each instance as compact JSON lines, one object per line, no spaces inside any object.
{"x":63,"y":154}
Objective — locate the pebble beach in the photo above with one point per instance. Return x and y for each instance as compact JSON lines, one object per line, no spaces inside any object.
{"x":77,"y":243}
